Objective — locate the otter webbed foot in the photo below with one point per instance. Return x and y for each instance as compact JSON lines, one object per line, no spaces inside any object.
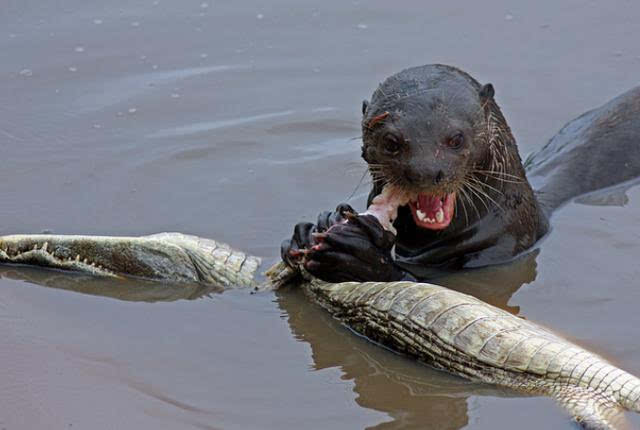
{"x":344,"y":246}
{"x":292,"y":250}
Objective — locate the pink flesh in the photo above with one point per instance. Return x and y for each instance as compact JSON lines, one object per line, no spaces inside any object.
{"x":385,"y":206}
{"x":429,"y":205}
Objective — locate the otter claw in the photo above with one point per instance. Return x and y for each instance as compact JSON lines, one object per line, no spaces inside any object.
{"x":350,"y":215}
{"x":296,"y":253}
{"x":319,"y":237}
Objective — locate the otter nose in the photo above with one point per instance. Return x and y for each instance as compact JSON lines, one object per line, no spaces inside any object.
{"x":438,"y":178}
{"x":424,"y":176}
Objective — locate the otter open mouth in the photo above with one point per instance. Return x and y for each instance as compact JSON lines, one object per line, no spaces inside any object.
{"x":433,"y":212}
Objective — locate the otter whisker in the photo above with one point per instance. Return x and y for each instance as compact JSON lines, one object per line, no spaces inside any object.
{"x":495,"y":171}
{"x":478,"y":194}
{"x":485,"y":194}
{"x":355,"y":190}
{"x":464,"y":208}
{"x":483,"y":184}
{"x":499,"y":175}
{"x":466,"y":196}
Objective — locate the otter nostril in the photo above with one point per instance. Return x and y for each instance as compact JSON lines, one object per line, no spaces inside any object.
{"x":438,"y":178}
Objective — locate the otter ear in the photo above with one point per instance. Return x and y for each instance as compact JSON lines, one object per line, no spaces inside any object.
{"x":487,"y":92}
{"x":365,"y":105}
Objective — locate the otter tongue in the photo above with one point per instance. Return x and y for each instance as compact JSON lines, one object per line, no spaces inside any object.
{"x":429,"y":204}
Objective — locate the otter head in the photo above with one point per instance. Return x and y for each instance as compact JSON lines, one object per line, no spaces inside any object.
{"x":426,"y":131}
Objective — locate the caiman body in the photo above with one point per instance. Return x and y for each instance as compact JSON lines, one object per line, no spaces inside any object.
{"x":440,"y":327}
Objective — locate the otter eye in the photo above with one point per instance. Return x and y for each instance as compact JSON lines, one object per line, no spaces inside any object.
{"x":391,"y":144}
{"x":455,"y":141}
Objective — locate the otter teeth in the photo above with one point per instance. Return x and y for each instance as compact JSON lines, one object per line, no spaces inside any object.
{"x":424,"y":218}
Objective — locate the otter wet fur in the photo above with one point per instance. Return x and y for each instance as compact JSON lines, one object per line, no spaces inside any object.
{"x":436,"y":133}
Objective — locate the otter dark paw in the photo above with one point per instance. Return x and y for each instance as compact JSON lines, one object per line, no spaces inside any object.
{"x":294,"y":249}
{"x":358,"y":250}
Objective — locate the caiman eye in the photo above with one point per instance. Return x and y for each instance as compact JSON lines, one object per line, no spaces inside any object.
{"x":391,"y":144}
{"x":455,"y":141}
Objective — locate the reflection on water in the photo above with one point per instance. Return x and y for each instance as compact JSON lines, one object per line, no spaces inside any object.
{"x":495,"y":284}
{"x":133,"y":290}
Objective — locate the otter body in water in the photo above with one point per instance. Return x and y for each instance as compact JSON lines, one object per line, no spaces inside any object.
{"x":436,"y":133}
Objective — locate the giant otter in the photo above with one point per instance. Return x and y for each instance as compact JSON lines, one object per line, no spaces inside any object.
{"x":437,"y":133}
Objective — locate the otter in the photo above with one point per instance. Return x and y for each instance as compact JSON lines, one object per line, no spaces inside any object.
{"x":437,"y":133}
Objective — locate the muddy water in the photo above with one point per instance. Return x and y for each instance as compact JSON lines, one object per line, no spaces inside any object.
{"x":234,"y":120}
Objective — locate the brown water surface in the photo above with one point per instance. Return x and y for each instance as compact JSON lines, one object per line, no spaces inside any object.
{"x":234,"y":120}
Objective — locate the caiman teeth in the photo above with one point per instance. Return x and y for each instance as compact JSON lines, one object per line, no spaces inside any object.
{"x":421,"y":215}
{"x":440,"y":215}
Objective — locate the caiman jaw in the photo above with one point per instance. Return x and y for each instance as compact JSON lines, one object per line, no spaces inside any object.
{"x":433,"y":212}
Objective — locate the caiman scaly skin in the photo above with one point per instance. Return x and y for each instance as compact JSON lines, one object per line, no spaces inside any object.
{"x":469,"y":338}
{"x":443,"y":328}
{"x":169,"y":257}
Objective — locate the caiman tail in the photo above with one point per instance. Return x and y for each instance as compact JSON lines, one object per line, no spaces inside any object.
{"x":599,"y":149}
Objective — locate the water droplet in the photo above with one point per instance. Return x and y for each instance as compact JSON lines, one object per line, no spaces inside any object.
{"x":143,"y":57}
{"x":57,"y":91}
{"x":204,"y":55}
{"x":362,"y":26}
{"x":97,"y":21}
{"x":198,"y":29}
{"x":544,"y":26}
{"x":73,"y":69}
{"x":132,"y":110}
{"x":259,"y":16}
{"x":175,"y":96}
{"x":204,"y":5}
{"x":154,"y":67}
{"x":156,"y":3}
{"x":13,"y":36}
{"x":316,"y":70}
{"x":618,"y":53}
{"x":508,"y":17}
{"x":135,"y":24}
{"x":79,"y":49}
{"x":97,"y":126}
{"x":119,"y":114}
{"x":26,"y":72}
